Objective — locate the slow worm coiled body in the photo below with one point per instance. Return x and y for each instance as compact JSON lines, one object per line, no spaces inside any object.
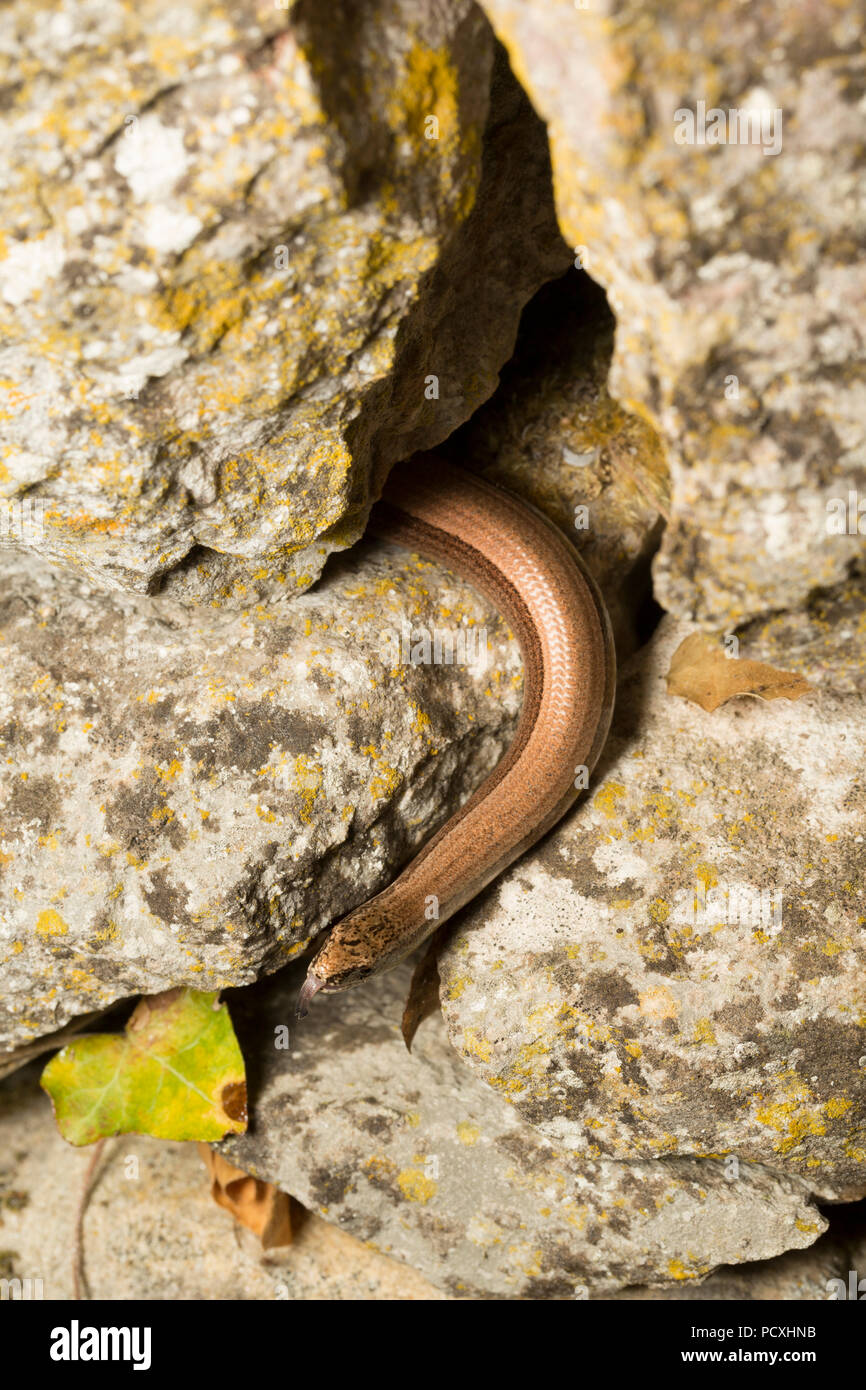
{"x":513,"y":555}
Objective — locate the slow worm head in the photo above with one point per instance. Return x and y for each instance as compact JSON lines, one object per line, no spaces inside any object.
{"x":512,"y":554}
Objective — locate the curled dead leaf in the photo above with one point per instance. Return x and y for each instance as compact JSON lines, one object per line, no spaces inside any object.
{"x":258,"y":1205}
{"x":701,"y":671}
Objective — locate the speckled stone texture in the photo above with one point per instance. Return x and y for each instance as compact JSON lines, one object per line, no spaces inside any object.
{"x":239,"y":243}
{"x":421,"y":1159}
{"x":250,"y":257}
{"x":680,"y":968}
{"x":187,"y":796}
{"x":178,"y":1245}
{"x":737,"y":277}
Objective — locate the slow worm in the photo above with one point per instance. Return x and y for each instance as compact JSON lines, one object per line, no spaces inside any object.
{"x":513,"y":555}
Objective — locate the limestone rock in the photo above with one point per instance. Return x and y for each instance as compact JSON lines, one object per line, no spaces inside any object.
{"x":735,"y":270}
{"x":188,"y":796}
{"x":680,"y":968}
{"x":250,"y":258}
{"x":818,"y":1275}
{"x":178,"y":1245}
{"x":418,"y":1157}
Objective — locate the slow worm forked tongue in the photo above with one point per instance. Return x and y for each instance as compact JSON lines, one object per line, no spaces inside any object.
{"x":311,"y":986}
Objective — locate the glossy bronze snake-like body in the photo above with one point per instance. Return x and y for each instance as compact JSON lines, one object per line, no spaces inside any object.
{"x":513,"y":555}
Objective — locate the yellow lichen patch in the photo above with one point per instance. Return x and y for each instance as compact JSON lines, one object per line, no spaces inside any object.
{"x":677,"y":1270}
{"x":706,"y":875}
{"x":169,"y":773}
{"x":380,"y":1169}
{"x":836,"y":1106}
{"x":416,"y":1186}
{"x":308,"y":782}
{"x":795,"y":1124}
{"x":607,"y":797}
{"x":429,"y":88}
{"x":468,"y":1133}
{"x":854,"y":1151}
{"x":809,"y":1228}
{"x":50,"y":923}
{"x":421,"y":722}
{"x":476,"y":1046}
{"x":110,"y":932}
{"x":387,"y":782}
{"x":834,"y":948}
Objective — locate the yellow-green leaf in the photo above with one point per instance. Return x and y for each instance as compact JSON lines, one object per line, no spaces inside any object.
{"x":176,"y":1073}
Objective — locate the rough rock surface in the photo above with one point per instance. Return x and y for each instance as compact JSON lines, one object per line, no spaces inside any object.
{"x":177,"y":1244}
{"x":737,"y":276}
{"x":413,"y":1154}
{"x":680,"y":968}
{"x":812,"y":1275}
{"x":187,"y":796}
{"x":238,"y":244}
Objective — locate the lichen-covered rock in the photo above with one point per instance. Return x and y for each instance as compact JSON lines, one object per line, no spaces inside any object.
{"x":250,"y":258}
{"x":178,"y":1245}
{"x":187,"y":796}
{"x":735,"y":270}
{"x":553,"y":434}
{"x":680,"y":968}
{"x":819,"y":1274}
{"x":418,"y":1157}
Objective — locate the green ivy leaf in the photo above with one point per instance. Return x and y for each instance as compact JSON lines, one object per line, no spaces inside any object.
{"x":176,"y":1073}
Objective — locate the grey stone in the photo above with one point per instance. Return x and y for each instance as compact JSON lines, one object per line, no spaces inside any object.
{"x":737,"y":276}
{"x":680,"y":968}
{"x":188,"y":796}
{"x":177,"y":1244}
{"x":238,"y":248}
{"x":817,"y":1275}
{"x":414,"y":1155}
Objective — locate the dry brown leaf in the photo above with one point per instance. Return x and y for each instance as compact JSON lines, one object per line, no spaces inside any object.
{"x":423,"y":997}
{"x":701,"y":672}
{"x":258,"y":1205}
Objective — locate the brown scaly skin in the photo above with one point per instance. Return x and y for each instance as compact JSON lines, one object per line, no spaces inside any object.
{"x":511,"y":553}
